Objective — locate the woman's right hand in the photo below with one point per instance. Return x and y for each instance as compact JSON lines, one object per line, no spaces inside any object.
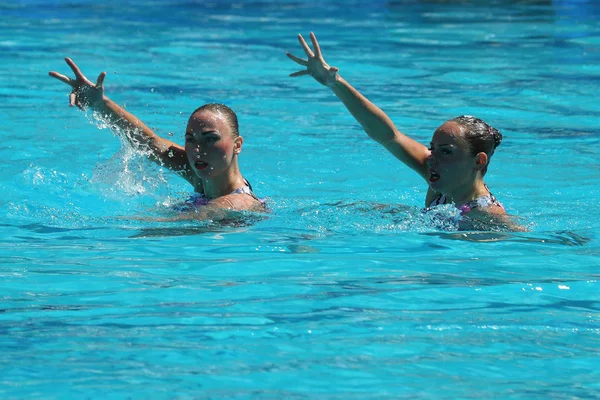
{"x":83,"y":92}
{"x":315,"y":64}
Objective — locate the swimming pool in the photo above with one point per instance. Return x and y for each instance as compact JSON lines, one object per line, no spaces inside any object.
{"x":328,"y":297}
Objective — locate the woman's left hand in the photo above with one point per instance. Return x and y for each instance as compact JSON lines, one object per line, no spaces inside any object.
{"x":315,"y":64}
{"x":83,"y":91}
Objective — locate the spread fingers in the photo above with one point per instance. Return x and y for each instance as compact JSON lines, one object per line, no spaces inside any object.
{"x":61,"y":77}
{"x":307,"y":49}
{"x":297,"y":60}
{"x":300,"y":73}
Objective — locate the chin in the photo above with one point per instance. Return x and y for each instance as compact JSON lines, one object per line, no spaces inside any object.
{"x":209,"y":173}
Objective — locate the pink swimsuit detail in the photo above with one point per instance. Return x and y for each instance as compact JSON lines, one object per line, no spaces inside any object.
{"x":482,"y":201}
{"x":199,"y":199}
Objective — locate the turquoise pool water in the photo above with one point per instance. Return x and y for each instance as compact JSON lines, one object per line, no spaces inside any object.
{"x":328,"y":297}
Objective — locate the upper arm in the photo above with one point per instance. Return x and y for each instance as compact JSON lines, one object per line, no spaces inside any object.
{"x":410,"y":152}
{"x":172,"y":156}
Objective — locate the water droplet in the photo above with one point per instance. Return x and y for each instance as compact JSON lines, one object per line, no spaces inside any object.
{"x":152,"y":90}
{"x":170,"y":134}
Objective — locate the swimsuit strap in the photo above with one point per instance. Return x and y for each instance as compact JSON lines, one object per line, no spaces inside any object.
{"x":440,"y":199}
{"x":248,"y":190}
{"x":200,"y":199}
{"x":243,"y":190}
{"x":493,"y":199}
{"x":247,"y":183}
{"x":485,"y":200}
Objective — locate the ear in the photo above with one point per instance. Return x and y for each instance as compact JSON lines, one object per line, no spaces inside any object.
{"x":237,"y":145}
{"x":481,"y":159}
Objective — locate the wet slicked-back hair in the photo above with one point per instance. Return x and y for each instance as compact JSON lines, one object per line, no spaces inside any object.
{"x":225,"y":111}
{"x":480,"y":136}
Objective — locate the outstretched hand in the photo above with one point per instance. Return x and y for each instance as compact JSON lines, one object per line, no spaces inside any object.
{"x":315,"y":64}
{"x":83,"y":92}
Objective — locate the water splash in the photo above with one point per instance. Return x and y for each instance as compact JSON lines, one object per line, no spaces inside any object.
{"x":358,"y":218}
{"x":128,"y":172}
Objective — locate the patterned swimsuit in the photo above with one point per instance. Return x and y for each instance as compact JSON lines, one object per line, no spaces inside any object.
{"x":485,"y":200}
{"x":200,"y":199}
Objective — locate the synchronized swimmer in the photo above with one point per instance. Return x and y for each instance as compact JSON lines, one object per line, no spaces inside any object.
{"x":453,"y":166}
{"x":208,"y":161}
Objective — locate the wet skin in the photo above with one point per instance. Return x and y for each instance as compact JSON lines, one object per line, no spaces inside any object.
{"x":209,"y":144}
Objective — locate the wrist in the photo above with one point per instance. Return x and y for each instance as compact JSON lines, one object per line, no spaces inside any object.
{"x":100,"y":104}
{"x":336,"y":84}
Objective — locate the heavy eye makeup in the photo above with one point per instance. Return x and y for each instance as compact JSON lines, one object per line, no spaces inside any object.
{"x":211,"y":136}
{"x":208,"y":136}
{"x":444,"y":149}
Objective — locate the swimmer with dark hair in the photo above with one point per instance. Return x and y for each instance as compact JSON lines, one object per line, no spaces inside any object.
{"x":208,"y":161}
{"x":453,"y":165}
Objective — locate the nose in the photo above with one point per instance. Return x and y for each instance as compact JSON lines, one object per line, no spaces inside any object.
{"x":197,"y":150}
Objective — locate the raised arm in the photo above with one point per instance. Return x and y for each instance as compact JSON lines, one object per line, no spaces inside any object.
{"x":86,"y":94}
{"x":374,"y":121}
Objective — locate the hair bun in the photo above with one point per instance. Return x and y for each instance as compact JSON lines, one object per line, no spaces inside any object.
{"x":497,"y":137}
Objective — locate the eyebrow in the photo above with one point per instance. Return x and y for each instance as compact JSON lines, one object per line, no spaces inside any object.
{"x":202,"y":133}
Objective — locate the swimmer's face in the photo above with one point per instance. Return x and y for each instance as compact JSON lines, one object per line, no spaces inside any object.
{"x":451,"y":164}
{"x":209,"y":144}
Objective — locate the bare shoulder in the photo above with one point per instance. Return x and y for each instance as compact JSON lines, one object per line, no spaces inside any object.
{"x":238,"y":202}
{"x":491,"y":209}
{"x":490,"y":218}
